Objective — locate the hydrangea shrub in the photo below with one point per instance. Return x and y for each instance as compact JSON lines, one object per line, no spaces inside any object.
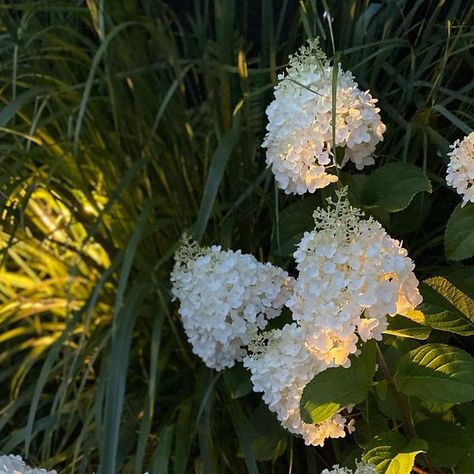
{"x":349,"y":284}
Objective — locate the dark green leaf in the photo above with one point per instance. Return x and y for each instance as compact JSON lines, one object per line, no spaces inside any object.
{"x":294,"y":220}
{"x":402,"y":326}
{"x":268,"y":438}
{"x":437,"y":373}
{"x":389,"y":406}
{"x":337,"y":387}
{"x":238,"y":381}
{"x":393,"y":186}
{"x":411,"y":218}
{"x":216,"y":172}
{"x":371,"y":422}
{"x":445,"y":307}
{"x":447,"y":442}
{"x":466,"y":465}
{"x":459,"y":235}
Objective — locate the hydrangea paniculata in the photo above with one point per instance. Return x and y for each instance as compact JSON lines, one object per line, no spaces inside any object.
{"x":12,"y":464}
{"x":281,"y":365}
{"x":225,"y":298}
{"x":460,"y":173}
{"x":351,"y":276}
{"x":299,"y":138}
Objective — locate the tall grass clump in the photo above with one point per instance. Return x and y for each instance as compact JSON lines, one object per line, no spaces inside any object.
{"x":124,"y":125}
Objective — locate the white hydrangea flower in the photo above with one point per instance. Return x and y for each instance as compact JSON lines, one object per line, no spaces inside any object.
{"x":460,"y":173}
{"x":299,"y":136}
{"x":225,"y":298}
{"x":361,"y":468}
{"x":281,"y":365}
{"x":12,"y":464}
{"x":351,"y":276}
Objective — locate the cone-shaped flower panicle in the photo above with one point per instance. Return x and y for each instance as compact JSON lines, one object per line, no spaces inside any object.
{"x":299,"y":138}
{"x":281,"y":365}
{"x":351,"y":276}
{"x":225,"y":298}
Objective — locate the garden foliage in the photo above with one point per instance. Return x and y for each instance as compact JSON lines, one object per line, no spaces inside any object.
{"x":126,"y":124}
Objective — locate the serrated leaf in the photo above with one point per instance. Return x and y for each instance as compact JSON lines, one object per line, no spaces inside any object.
{"x":459,"y":235}
{"x":447,"y":442}
{"x":402,"y":326}
{"x":462,"y":278}
{"x":445,"y":307}
{"x":337,"y":387}
{"x":437,"y":373}
{"x":393,"y":186}
{"x":392,"y":453}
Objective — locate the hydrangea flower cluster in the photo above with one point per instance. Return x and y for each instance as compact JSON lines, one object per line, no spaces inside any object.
{"x":300,"y":132}
{"x":281,"y":365}
{"x":225,"y":298}
{"x":460,"y":173}
{"x":361,"y":468}
{"x":12,"y":464}
{"x":351,"y":276}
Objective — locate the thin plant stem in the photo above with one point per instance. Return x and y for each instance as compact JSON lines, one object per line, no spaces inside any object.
{"x":404,"y":410}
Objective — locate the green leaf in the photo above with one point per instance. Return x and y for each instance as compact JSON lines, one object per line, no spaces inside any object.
{"x":293,"y":222}
{"x":268,"y":439}
{"x":241,"y":428}
{"x":466,"y":466}
{"x":411,"y":218}
{"x":445,"y":307}
{"x":459,"y":235}
{"x":115,"y":388}
{"x":12,"y":108}
{"x":437,"y":373}
{"x":238,"y":381}
{"x":355,"y":184}
{"x":454,"y":119}
{"x":448,"y":443}
{"x":387,"y":404}
{"x":337,"y":387}
{"x":402,"y":326}
{"x":371,"y":422}
{"x":392,"y":453}
{"x":216,"y":173}
{"x":461,"y":277}
{"x":465,"y":413}
{"x":161,"y":456}
{"x":393,"y":186}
